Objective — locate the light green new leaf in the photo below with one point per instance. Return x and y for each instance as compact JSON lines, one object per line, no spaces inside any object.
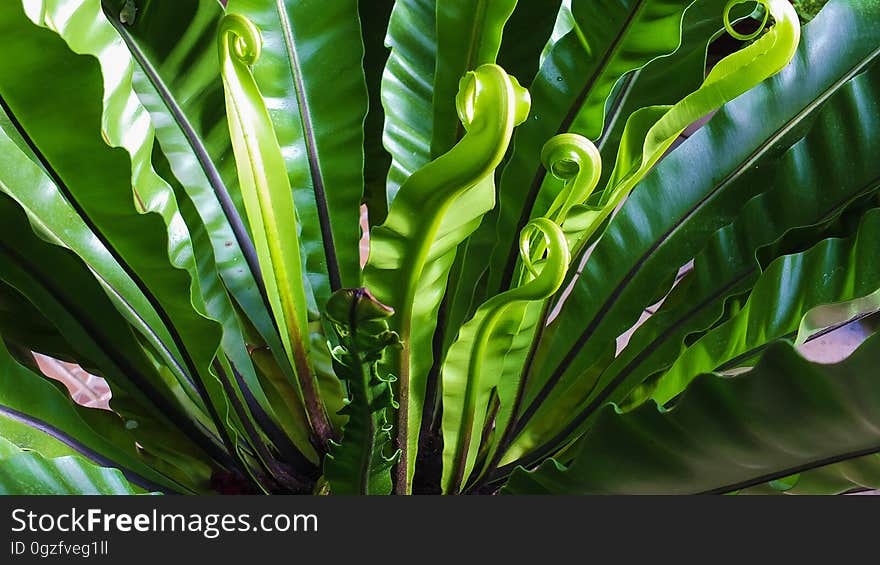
{"x":269,"y":204}
{"x":437,"y":208}
{"x":310,"y":76}
{"x":474,"y":366}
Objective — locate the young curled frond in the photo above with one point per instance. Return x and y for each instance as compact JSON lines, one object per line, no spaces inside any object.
{"x":239,"y":38}
{"x":475,"y":363}
{"x":361,"y":462}
{"x":437,"y":208}
{"x":268,"y":202}
{"x":576,"y":161}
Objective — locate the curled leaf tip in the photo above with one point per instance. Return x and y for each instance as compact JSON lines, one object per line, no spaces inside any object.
{"x":240,"y":38}
{"x":554,"y":256}
{"x":474,"y":83}
{"x":564,"y":155}
{"x":737,"y":35}
{"x":575,"y":160}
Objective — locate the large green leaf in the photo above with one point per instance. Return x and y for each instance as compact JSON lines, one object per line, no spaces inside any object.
{"x":56,"y":221}
{"x":311,"y":79}
{"x":407,"y":93}
{"x":728,"y":264}
{"x":437,"y":208}
{"x":695,"y":190}
{"x":28,"y":472}
{"x":53,"y":282}
{"x":35,"y":414}
{"x":53,"y":95}
{"x":785,"y":416}
{"x":785,"y":293}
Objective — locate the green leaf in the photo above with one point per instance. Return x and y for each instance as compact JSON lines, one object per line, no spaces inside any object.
{"x":789,"y":288}
{"x":437,"y":208}
{"x":37,"y":415}
{"x":374,"y":15}
{"x":468,"y":35}
{"x":407,"y":89}
{"x":526,"y":33}
{"x":843,"y":135}
{"x":269,"y":204}
{"x":30,"y":473}
{"x":361,"y":462}
{"x":785,"y":416}
{"x":53,"y":95}
{"x":694,"y":191}
{"x":474,"y":367}
{"x":852,"y":475}
{"x":309,"y":74}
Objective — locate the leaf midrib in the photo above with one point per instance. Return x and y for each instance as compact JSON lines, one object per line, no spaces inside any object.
{"x":311,"y":143}
{"x":79,"y":447}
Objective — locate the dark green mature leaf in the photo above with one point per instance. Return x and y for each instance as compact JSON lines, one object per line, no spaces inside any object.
{"x":785,"y":416}
{"x":53,"y":95}
{"x":785,"y":293}
{"x":407,"y":89}
{"x":28,"y":472}
{"x":312,"y":82}
{"x":852,"y":475}
{"x":361,"y":462}
{"x":52,"y":281}
{"x":710,"y":186}
{"x":843,"y":134}
{"x":468,"y":35}
{"x":375,"y":15}
{"x":37,"y":415}
{"x":525,"y":34}
{"x":58,"y":222}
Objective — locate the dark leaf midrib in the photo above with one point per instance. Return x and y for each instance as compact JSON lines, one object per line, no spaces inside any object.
{"x":846,"y":456}
{"x":80,"y":448}
{"x":318,"y":185}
